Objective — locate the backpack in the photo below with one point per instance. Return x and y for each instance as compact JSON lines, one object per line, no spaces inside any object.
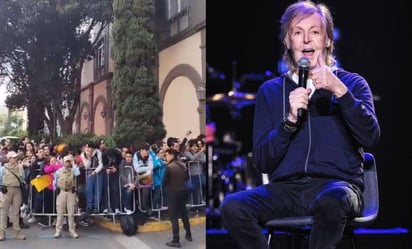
{"x":128,"y":224}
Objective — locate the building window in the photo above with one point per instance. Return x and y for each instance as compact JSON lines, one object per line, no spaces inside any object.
{"x":178,"y":15}
{"x":100,"y":55}
{"x":100,"y":60}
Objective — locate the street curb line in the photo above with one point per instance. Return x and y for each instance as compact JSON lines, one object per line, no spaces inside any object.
{"x":150,"y":226}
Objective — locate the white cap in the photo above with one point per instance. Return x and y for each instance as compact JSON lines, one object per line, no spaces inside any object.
{"x":11,"y":154}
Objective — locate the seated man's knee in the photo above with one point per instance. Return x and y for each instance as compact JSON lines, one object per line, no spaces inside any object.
{"x":333,"y":201}
{"x":230,"y":206}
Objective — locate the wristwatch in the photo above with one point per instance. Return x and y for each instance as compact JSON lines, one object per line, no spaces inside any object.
{"x":289,"y":126}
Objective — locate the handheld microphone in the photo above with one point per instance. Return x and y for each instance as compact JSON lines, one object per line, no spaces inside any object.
{"x":303,"y":65}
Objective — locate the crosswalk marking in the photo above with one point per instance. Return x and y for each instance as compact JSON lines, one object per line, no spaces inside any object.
{"x":127,"y":244}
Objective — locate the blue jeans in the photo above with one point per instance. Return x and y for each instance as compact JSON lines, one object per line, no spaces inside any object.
{"x":94,"y":187}
{"x":128,"y":198}
{"x":158,"y":193}
{"x":197,"y":188}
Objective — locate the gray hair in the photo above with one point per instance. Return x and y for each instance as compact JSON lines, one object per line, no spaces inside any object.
{"x":300,"y":10}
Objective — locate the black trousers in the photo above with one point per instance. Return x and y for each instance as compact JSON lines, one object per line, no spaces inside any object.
{"x":43,"y":204}
{"x":111,"y":194}
{"x":331,"y":202}
{"x":177,"y":207}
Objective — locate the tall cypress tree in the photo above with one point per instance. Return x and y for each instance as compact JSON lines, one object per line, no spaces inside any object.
{"x":138,"y":114}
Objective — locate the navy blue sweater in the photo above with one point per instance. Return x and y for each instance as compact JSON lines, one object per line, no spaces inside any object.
{"x":331,"y":139}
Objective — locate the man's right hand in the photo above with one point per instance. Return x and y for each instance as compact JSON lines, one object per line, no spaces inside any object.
{"x":298,"y":98}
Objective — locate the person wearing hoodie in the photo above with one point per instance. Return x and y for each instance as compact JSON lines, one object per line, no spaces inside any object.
{"x":309,"y":140}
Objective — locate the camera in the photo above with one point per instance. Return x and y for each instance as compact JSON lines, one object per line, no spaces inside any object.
{"x":3,"y":190}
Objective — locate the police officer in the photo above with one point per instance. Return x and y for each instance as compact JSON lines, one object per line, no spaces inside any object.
{"x":11,"y":175}
{"x":64,"y":179}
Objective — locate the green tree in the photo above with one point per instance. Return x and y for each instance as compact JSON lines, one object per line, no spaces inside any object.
{"x":13,"y":126}
{"x":138,"y":113}
{"x":43,"y":46}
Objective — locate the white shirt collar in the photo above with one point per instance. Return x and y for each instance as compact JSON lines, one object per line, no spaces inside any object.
{"x":309,"y":83}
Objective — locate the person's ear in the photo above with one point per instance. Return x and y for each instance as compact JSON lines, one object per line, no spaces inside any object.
{"x":328,"y":43}
{"x":286,"y":43}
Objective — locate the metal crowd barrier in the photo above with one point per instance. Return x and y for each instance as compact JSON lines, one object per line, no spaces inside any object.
{"x":80,"y":187}
{"x":81,"y":193}
{"x":197,"y":182}
{"x":196,"y":197}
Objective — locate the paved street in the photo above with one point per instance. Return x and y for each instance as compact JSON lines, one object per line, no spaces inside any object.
{"x":95,"y":237}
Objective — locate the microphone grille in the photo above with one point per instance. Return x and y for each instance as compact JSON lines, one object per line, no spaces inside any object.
{"x":304,"y":62}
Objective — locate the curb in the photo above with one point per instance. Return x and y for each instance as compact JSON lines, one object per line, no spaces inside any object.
{"x":150,"y":226}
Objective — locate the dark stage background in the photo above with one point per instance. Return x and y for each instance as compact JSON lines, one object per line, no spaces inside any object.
{"x":372,"y":41}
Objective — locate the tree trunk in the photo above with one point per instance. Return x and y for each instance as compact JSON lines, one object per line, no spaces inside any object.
{"x":35,"y":119}
{"x":67,"y":126}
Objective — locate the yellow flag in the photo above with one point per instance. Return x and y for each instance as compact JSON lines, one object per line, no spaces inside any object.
{"x":41,"y":182}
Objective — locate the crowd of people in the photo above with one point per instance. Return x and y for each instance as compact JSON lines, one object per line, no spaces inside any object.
{"x":94,"y":179}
